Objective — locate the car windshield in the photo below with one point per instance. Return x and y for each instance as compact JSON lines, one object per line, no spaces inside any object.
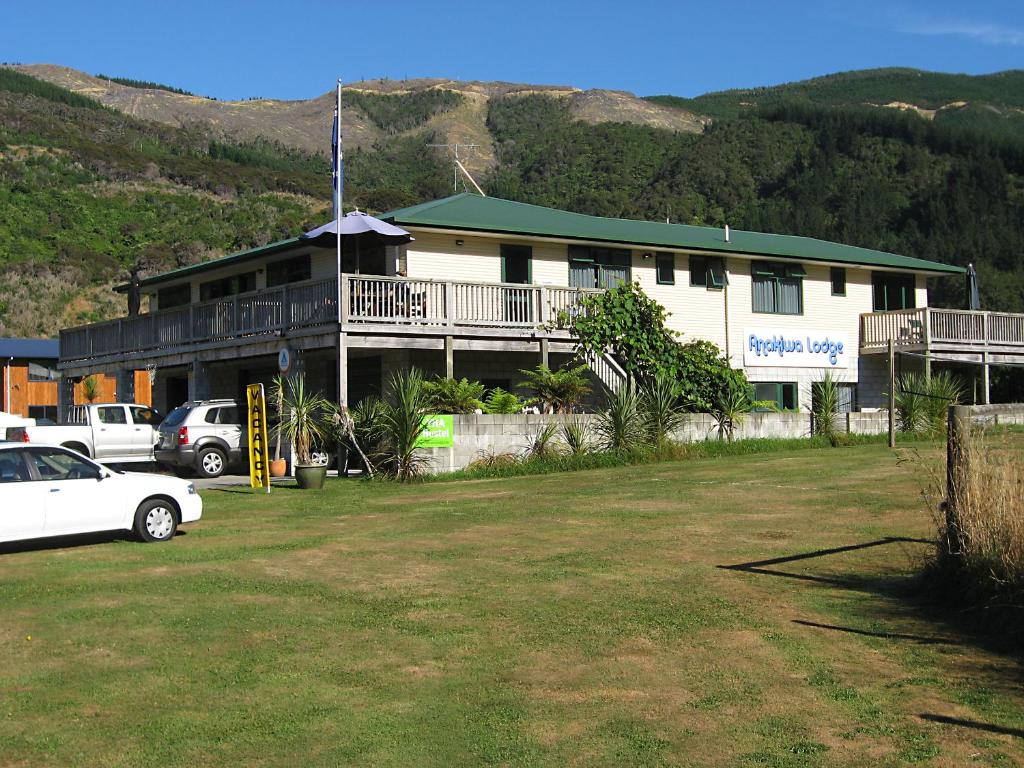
{"x":176,"y":417}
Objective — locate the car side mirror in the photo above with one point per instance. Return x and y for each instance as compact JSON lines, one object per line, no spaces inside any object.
{"x":100,"y":475}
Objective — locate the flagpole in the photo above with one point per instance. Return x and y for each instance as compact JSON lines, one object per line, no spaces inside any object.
{"x":336,"y":194}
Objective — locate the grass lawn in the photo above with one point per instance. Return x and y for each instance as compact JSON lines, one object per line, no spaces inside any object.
{"x":591,"y":618}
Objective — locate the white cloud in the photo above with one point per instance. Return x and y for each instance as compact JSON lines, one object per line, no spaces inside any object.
{"x":984,"y":32}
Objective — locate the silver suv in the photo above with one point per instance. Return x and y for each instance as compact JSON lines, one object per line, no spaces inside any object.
{"x":205,"y":436}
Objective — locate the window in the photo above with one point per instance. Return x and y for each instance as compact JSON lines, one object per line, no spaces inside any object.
{"x":892,"y":290}
{"x":112,"y":414}
{"x":54,"y":464}
{"x":43,"y":413}
{"x":175,"y":296}
{"x":847,"y":398}
{"x":227,"y":286}
{"x":13,"y":468}
{"x":783,"y":394}
{"x":516,"y":266}
{"x":591,"y":267}
{"x":225,"y":415}
{"x":707,"y":271}
{"x":39,"y":371}
{"x":665,"y":267}
{"x":838,"y":281}
{"x":778,"y":289}
{"x":293,"y":270}
{"x":141,"y":415}
{"x":847,"y":401}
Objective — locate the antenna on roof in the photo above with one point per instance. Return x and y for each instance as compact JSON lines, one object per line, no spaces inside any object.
{"x":458,"y":164}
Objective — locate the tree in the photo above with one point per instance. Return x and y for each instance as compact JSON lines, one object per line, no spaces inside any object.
{"x":629,"y":324}
{"x":558,"y":391}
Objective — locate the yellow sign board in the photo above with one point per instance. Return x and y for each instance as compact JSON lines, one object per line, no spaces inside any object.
{"x":259,"y":444}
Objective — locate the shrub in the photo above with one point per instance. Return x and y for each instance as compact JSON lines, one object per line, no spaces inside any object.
{"x":576,"y":435}
{"x":306,"y":418}
{"x":921,"y":404}
{"x":557,"y":391}
{"x":825,"y":406}
{"x":500,"y":401}
{"x":402,"y":425}
{"x":443,"y":395}
{"x":661,"y":408}
{"x":542,"y":445}
{"x":620,"y":427}
{"x":730,"y":407}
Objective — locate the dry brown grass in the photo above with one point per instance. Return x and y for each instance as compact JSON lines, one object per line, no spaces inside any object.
{"x":984,"y":550}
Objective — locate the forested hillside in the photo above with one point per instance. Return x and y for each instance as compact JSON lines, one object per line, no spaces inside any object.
{"x":86,"y":191}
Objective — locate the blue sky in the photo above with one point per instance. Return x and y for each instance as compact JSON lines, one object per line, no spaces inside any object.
{"x":297,"y":49}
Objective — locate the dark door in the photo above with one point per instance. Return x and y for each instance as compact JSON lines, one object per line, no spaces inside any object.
{"x":516,"y":268}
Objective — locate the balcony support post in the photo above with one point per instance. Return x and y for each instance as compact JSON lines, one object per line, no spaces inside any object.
{"x":892,"y":393}
{"x":927,"y":344}
{"x":342,"y":370}
{"x":985,"y":393}
{"x":198,"y":381}
{"x":544,"y":353}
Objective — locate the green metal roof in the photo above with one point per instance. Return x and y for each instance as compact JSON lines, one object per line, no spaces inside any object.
{"x":474,"y":213}
{"x":223,"y":261}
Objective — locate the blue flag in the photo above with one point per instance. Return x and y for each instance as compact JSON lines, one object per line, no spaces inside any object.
{"x":337,"y":166}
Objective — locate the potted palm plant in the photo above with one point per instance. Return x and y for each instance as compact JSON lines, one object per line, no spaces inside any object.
{"x":278,"y":466}
{"x":305,"y":422}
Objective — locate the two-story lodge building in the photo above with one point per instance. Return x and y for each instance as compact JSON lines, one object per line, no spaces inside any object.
{"x":479,"y":290}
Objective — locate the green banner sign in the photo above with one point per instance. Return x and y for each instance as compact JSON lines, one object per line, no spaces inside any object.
{"x":438,"y":432}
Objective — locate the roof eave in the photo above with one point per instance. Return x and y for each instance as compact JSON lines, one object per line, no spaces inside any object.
{"x":932,"y":267}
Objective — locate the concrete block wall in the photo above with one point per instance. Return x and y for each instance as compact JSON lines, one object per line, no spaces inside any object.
{"x":480,"y":435}
{"x":1003,"y":414}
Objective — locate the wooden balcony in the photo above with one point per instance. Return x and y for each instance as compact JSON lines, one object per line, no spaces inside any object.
{"x":945,"y":330}
{"x":368,"y":302}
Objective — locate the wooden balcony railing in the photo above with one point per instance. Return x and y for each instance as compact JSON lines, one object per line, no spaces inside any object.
{"x":370,"y":300}
{"x":929,"y":326}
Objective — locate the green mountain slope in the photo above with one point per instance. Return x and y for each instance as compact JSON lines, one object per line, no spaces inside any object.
{"x":992,"y":104}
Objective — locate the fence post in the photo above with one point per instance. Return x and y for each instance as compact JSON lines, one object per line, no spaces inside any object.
{"x":958,"y":434}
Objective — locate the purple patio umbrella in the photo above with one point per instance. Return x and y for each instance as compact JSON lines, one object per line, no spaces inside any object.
{"x":359,"y":223}
{"x":362,"y":228}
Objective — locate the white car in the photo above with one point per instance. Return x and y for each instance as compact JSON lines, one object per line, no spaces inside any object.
{"x":48,"y":490}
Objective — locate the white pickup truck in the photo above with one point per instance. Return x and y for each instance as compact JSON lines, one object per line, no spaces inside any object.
{"x":113,"y":433}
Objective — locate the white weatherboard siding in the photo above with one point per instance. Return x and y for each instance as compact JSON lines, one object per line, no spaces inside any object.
{"x":434,"y":256}
{"x":695,"y":311}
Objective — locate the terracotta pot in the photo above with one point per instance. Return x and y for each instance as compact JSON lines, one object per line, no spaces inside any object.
{"x":278,"y":467}
{"x":310,"y":477}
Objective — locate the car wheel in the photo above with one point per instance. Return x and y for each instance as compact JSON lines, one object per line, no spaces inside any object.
{"x":211,"y":462}
{"x":156,"y":520}
{"x":320,"y":458}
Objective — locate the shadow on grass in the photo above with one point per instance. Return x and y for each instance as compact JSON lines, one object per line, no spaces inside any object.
{"x":866,"y":584}
{"x":71,"y":542}
{"x":989,"y":727}
{"x":923,"y":640}
{"x":907,"y":589}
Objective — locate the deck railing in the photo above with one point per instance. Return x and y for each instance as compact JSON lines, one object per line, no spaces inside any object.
{"x":370,"y":300}
{"x":928,"y":326}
